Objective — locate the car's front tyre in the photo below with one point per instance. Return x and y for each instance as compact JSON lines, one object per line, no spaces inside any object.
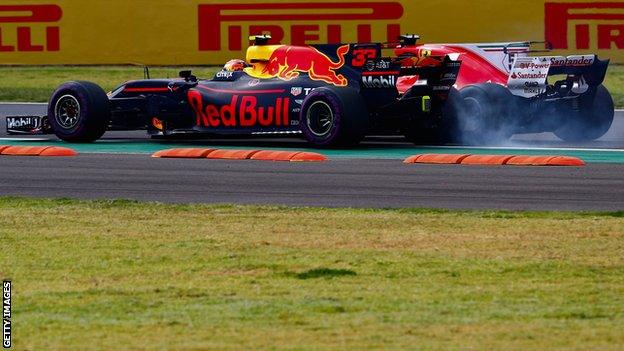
{"x":79,"y":111}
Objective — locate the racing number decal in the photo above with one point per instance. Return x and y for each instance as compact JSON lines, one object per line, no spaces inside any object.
{"x":360,"y":56}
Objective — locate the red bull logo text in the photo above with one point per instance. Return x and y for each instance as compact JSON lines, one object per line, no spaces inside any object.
{"x":242,"y":111}
{"x":286,"y":62}
{"x":593,"y":24}
{"x":19,"y":22}
{"x":352,"y":15}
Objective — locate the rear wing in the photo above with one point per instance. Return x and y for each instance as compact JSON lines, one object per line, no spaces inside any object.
{"x":590,"y":67}
{"x":529,"y":75}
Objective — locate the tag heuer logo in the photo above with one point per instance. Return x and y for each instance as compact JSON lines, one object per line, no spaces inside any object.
{"x":296,"y":91}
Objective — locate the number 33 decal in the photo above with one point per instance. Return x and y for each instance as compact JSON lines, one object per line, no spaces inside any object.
{"x":360,"y":56}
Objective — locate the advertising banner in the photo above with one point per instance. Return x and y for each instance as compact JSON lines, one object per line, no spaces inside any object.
{"x":204,"y":32}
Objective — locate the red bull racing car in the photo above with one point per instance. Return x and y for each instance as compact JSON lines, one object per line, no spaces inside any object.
{"x":331,"y":94}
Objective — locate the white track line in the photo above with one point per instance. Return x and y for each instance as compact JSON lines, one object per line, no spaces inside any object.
{"x":424,"y":146}
{"x":520,"y":148}
{"x":23,"y":103}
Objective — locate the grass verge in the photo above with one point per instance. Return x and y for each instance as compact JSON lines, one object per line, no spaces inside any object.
{"x":36,"y":83}
{"x":96,"y":275}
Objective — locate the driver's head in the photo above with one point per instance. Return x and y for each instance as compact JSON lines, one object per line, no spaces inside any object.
{"x":235,"y":65}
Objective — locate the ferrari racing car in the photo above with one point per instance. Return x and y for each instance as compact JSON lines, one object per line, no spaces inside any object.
{"x":331,"y":94}
{"x":501,"y":90}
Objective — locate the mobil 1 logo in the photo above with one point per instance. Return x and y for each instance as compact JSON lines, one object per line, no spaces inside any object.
{"x":381,"y":81}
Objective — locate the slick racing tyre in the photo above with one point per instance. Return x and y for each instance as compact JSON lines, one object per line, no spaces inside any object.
{"x":591,"y":121}
{"x":484,"y":116}
{"x":333,"y":117}
{"x":79,"y":112}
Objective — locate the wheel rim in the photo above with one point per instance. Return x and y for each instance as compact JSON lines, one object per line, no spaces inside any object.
{"x":67,"y":111}
{"x":320,"y":118}
{"x":473,"y":115}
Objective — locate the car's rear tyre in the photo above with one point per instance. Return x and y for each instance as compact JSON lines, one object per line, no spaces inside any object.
{"x":483,"y":116}
{"x":333,"y":117}
{"x":79,"y":112}
{"x":591,"y":121}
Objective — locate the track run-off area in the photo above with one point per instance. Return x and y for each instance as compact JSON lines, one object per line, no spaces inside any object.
{"x":371,"y":175}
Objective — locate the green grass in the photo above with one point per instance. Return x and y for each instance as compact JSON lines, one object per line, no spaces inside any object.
{"x":615,"y":83}
{"x":110,"y":274}
{"x":36,"y":83}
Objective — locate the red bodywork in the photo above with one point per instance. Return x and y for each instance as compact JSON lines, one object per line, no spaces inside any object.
{"x":474,"y":69}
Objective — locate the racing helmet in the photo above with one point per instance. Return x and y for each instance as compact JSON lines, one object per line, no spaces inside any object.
{"x":235,"y":65}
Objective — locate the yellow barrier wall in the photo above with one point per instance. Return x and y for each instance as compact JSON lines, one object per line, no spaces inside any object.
{"x":168,"y":32}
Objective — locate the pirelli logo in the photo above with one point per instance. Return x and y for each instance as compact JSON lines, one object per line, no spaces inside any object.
{"x":300,"y":21}
{"x":20,"y":23}
{"x":585,"y":25}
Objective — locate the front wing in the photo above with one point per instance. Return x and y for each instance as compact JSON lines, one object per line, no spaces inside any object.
{"x":31,"y":125}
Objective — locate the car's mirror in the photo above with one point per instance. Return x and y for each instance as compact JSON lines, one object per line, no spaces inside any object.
{"x":188,"y":76}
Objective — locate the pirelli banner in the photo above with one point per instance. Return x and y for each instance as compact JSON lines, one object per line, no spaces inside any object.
{"x":185,"y":32}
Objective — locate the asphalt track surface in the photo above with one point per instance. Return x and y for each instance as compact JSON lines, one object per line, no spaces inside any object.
{"x":340,"y":182}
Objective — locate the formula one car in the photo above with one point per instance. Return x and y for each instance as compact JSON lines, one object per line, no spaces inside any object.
{"x":332,"y":94}
{"x":504,"y":91}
